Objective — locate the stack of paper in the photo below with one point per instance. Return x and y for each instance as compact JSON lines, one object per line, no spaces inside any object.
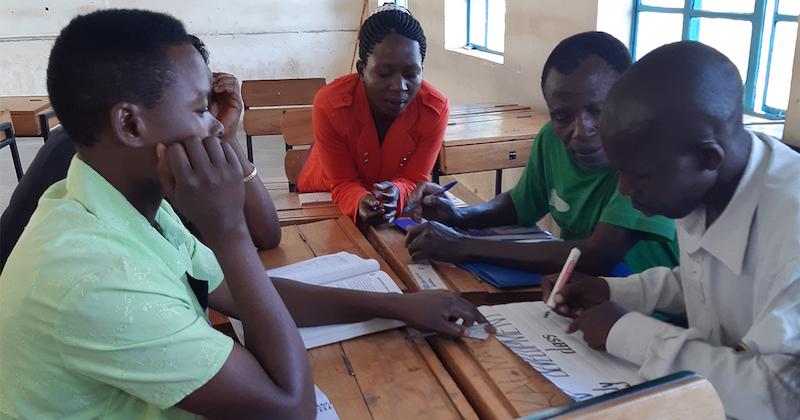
{"x":345,"y":271}
{"x":562,"y":358}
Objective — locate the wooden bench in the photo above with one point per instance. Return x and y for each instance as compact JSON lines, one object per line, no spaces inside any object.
{"x":266,"y":100}
{"x":297,"y":131}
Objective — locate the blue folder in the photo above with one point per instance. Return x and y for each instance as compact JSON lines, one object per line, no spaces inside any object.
{"x":503,"y":277}
{"x":404,"y":223}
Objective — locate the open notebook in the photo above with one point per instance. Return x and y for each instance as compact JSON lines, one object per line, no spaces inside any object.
{"x":342,"y":270}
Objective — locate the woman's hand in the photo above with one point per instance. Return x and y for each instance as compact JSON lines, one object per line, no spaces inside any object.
{"x":388,"y":194}
{"x":226,"y":103}
{"x":381,"y":205}
{"x":437,"y":311}
{"x":369,"y":210}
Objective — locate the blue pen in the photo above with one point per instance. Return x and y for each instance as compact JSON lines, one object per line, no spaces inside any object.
{"x":414,"y":205}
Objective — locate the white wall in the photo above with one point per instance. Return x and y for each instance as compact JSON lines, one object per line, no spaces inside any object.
{"x":303,"y":38}
{"x":533,"y":28}
{"x":249,"y":38}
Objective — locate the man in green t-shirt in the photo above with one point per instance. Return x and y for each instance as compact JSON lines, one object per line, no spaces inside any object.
{"x":567,"y":176}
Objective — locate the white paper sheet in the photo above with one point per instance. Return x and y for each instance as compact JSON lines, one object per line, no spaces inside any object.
{"x":562,"y":358}
{"x":325,"y":409}
{"x":326,"y":268}
{"x":426,"y":277}
{"x":377,"y":281}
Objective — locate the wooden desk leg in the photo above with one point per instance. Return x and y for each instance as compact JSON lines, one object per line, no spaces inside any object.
{"x":43,"y":125}
{"x":11,"y":142}
{"x":498,"y":182}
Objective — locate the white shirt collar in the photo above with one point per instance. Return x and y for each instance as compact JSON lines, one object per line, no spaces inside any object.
{"x":727,"y":238}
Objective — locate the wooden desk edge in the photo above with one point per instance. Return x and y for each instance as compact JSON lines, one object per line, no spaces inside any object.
{"x":438,"y":369}
{"x":455,"y":358}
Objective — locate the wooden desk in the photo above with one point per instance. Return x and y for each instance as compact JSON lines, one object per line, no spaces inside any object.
{"x":32,"y":116}
{"x":389,"y":241}
{"x":501,"y":135}
{"x":497,"y":383}
{"x":393,"y":378}
{"x":275,"y":183}
{"x":290,"y":211}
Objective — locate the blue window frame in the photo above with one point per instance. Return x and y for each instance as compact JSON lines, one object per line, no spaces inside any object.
{"x":486,"y":25}
{"x":768,"y":29}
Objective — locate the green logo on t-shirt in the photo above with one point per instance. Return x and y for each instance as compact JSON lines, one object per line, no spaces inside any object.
{"x":557,"y":202}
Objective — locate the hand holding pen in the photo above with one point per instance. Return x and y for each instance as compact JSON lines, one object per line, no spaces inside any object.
{"x":380,"y":205}
{"x":428,"y":200}
{"x":576,"y":295}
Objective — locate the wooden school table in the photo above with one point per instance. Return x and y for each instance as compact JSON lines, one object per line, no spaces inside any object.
{"x":392,"y":378}
{"x":497,"y":383}
{"x":488,"y":137}
{"x":389,"y":241}
{"x":32,"y":116}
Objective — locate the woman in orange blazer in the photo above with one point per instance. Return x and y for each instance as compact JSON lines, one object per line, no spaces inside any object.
{"x":377,"y":132}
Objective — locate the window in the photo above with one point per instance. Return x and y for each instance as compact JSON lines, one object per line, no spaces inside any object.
{"x":768,"y":29}
{"x":486,"y":25}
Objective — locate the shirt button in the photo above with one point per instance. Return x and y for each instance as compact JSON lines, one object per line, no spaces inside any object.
{"x":365,"y":161}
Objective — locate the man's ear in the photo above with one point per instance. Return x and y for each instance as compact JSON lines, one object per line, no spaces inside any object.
{"x":360,"y":65}
{"x":127,"y":124}
{"x":712,"y":155}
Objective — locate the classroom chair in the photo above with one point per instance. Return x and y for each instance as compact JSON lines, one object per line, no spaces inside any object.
{"x":7,"y":139}
{"x":266,"y":100}
{"x":48,"y":121}
{"x":297,"y":131}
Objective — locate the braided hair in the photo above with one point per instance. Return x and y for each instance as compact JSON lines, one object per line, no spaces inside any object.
{"x":386,"y":20}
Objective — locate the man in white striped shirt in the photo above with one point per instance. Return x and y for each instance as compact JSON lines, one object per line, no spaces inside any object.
{"x":673,"y":127}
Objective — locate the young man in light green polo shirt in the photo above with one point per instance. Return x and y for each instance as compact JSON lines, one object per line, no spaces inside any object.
{"x":102,"y":298}
{"x":567,"y":176}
